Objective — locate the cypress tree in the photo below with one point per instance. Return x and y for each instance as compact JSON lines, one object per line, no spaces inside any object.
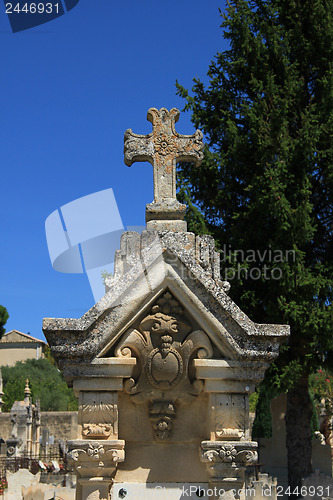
{"x":265,"y":187}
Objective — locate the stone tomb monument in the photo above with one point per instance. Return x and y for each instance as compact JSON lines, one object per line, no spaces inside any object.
{"x":164,"y":363}
{"x":25,"y":417}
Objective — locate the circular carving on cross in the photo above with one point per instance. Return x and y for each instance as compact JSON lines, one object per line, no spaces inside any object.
{"x":164,"y":145}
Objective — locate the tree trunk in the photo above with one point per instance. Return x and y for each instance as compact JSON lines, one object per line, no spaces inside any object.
{"x":298,"y":433}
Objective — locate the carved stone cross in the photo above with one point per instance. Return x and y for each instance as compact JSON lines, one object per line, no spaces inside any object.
{"x":163,"y":147}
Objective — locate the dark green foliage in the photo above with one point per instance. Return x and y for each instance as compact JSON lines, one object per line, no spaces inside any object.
{"x":266,"y":183}
{"x":3,"y":320}
{"x":253,"y":401}
{"x":48,"y":355}
{"x":46,"y":383}
{"x":262,"y":425}
{"x":321,"y":386}
{"x":195,"y":220}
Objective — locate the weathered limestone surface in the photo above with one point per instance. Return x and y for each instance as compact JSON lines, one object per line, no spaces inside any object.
{"x":164,"y":363}
{"x":163,"y":148}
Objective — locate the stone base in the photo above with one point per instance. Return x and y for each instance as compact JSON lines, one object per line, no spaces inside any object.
{"x":166,"y":215}
{"x":179,"y":226}
{"x":167,"y":208}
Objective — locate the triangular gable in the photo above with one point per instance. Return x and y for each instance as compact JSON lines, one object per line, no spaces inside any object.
{"x":140,"y":277}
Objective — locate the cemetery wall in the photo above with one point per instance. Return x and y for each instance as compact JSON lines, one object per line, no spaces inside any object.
{"x":5,"y":426}
{"x":61,"y":424}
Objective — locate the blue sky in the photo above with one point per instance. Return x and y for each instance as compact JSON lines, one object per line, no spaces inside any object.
{"x":70,"y":89}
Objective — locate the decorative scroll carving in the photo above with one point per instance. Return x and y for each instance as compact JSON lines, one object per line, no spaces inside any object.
{"x":228,"y":454}
{"x":96,"y":430}
{"x":247,"y":457}
{"x":74,"y":454}
{"x":94,"y":451}
{"x":164,"y":345}
{"x":96,"y":458}
{"x":238,"y":453}
{"x":98,"y":414}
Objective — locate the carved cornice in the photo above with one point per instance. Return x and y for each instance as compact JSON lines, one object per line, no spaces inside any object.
{"x":95,"y":450}
{"x":239,"y":453}
{"x":96,"y":458}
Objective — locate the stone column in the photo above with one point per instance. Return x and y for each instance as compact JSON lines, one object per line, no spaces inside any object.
{"x":95,"y":463}
{"x":97,"y":451}
{"x":226,"y":462}
{"x":230,"y":448}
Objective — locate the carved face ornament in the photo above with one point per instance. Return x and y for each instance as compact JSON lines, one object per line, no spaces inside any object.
{"x":164,"y":364}
{"x":164,"y":324}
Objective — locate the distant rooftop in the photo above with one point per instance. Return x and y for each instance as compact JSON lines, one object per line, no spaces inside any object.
{"x":16,"y":336}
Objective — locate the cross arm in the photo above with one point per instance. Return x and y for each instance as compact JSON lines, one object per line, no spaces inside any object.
{"x":138,"y":148}
{"x":189,"y":147}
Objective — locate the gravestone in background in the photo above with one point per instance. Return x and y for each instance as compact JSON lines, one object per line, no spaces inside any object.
{"x":164,"y":363}
{"x":25,"y":417}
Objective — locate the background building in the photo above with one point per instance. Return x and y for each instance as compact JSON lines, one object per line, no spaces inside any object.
{"x":17,"y":346}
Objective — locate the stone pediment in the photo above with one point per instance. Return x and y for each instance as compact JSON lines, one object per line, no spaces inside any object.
{"x":146,"y":267}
